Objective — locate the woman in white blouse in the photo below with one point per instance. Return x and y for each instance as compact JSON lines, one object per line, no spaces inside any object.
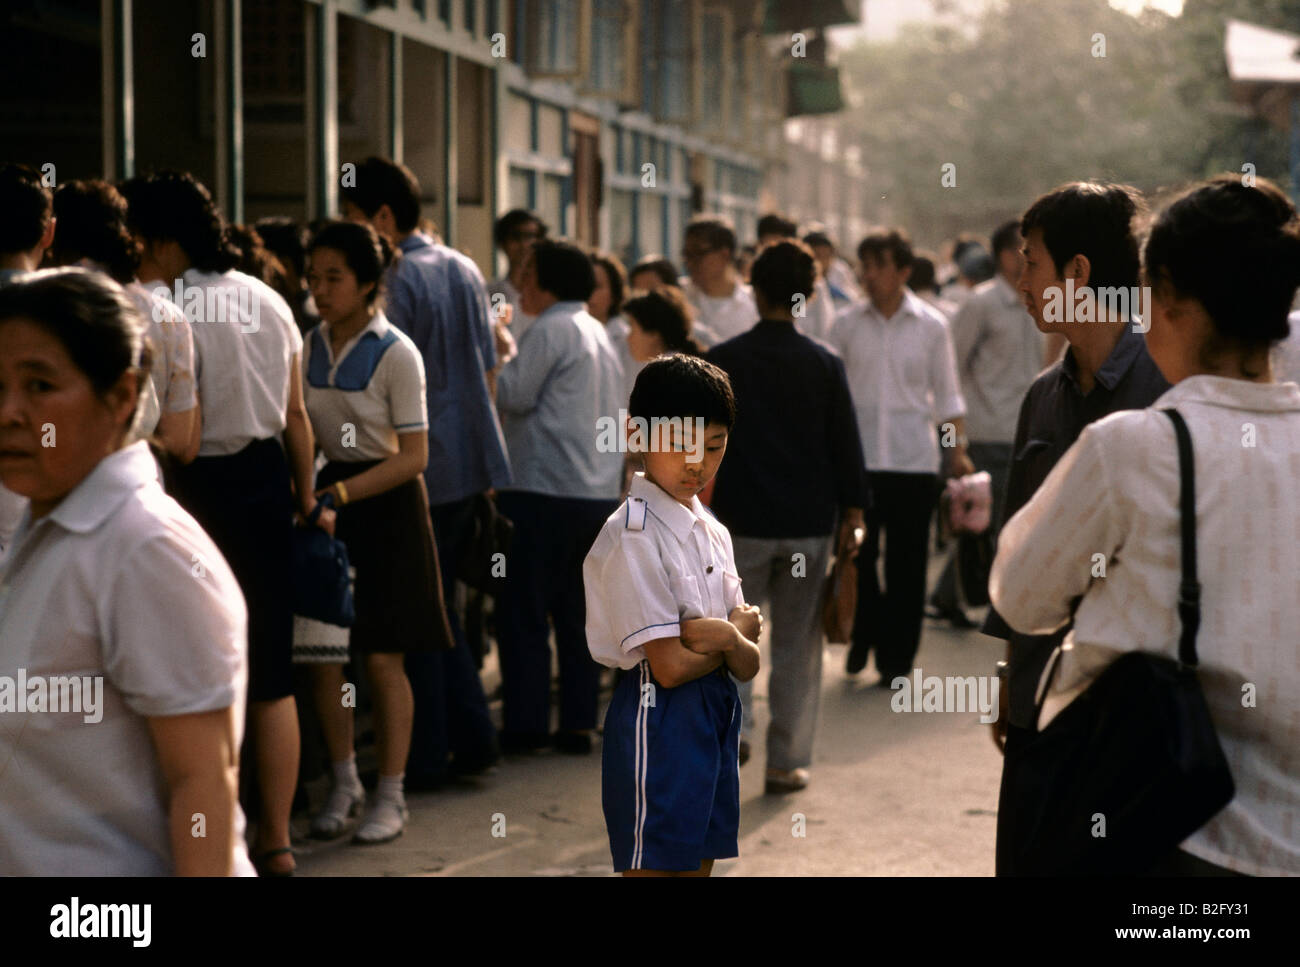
{"x":123,"y":659}
{"x":1223,"y":263}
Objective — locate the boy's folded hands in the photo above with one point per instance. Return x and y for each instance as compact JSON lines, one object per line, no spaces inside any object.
{"x":706,"y":636}
{"x":748,"y":619}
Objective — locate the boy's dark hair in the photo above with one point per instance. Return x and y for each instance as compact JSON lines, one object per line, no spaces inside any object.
{"x":382,"y":182}
{"x":922,"y":278}
{"x":26,"y":207}
{"x":685,"y":386}
{"x":1093,"y":220}
{"x":666,"y":313}
{"x":892,"y":241}
{"x":783,"y":270}
{"x":617,"y":276}
{"x":775,"y":224}
{"x":92,"y":225}
{"x":1006,"y":236}
{"x":1235,"y":250}
{"x":716,"y":231}
{"x":663,"y":268}
{"x":175,"y":206}
{"x":563,"y":270}
{"x":508,"y":224}
{"x":286,"y":240}
{"x":367,"y":253}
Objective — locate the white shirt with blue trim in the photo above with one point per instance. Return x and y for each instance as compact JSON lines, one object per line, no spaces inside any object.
{"x":655,"y":564}
{"x":359,"y":402}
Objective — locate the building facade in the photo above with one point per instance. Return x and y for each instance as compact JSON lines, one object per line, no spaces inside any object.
{"x":615,"y":119}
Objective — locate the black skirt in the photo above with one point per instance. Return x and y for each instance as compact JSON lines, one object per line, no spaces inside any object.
{"x":398,"y":587}
{"x":245,"y":502}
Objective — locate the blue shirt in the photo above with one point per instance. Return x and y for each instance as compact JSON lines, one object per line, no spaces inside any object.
{"x":552,"y":398}
{"x":437,"y":297}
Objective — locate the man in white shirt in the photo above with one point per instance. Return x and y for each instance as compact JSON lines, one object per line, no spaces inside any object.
{"x":723,"y":304}
{"x":899,"y":361}
{"x":999,"y":351}
{"x":514,"y":233}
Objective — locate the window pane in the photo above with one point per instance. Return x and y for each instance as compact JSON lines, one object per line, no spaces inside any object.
{"x":471,"y":132}
{"x":674,"y":48}
{"x":650,"y":223}
{"x":550,"y":200}
{"x":736,"y":115}
{"x":620,"y":225}
{"x":519,"y":123}
{"x":713,"y":42}
{"x":423,"y":121}
{"x":275,"y":137}
{"x":520,"y":182}
{"x":606,"y":74}
{"x":556,"y":36}
{"x":550,"y":131}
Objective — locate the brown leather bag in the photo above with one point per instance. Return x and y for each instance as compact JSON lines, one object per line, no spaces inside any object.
{"x":840,"y":599}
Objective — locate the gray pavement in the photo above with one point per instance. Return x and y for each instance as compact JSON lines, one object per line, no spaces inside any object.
{"x":891,"y":794}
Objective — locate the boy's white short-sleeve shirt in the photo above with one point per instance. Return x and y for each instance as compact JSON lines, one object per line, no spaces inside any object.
{"x":655,"y":563}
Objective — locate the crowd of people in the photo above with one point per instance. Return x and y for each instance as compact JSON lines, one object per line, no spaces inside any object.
{"x":178,"y":394}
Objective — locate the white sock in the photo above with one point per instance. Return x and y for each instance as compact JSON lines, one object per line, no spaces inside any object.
{"x":345,"y":773}
{"x":390,"y":787}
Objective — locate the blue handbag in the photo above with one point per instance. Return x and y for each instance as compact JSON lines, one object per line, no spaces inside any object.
{"x":322,"y":587}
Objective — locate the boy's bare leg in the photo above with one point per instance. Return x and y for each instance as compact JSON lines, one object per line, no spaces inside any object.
{"x":706,"y":868}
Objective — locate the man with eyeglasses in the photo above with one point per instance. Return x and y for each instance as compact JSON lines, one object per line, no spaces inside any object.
{"x":514,"y":233}
{"x":723,"y":303}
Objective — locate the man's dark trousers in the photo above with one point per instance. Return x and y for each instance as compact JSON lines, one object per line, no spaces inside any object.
{"x":888,"y":620}
{"x":544,"y":579}
{"x":451,"y":713}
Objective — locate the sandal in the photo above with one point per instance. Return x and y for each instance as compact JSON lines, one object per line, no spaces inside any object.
{"x":262,"y":863}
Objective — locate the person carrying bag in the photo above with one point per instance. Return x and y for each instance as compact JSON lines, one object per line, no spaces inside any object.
{"x":1133,"y":765}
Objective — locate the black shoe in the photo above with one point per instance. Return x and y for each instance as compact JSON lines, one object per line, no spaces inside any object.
{"x":524,"y":743}
{"x":573,"y":743}
{"x":857,"y":659}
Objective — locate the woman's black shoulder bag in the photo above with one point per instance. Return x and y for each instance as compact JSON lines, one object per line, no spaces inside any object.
{"x":1133,"y":765}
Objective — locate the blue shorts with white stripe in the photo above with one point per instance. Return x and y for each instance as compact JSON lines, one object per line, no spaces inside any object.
{"x":670,"y":777}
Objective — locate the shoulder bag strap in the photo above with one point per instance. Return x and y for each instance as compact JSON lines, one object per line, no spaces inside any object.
{"x":1189,"y":590}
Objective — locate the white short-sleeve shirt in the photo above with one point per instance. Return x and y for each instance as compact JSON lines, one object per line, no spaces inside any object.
{"x":376,"y":385}
{"x":903,"y":379}
{"x":655,"y":564}
{"x":119,"y":586}
{"x":718,"y":319}
{"x":172,"y":368}
{"x":245,"y":339}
